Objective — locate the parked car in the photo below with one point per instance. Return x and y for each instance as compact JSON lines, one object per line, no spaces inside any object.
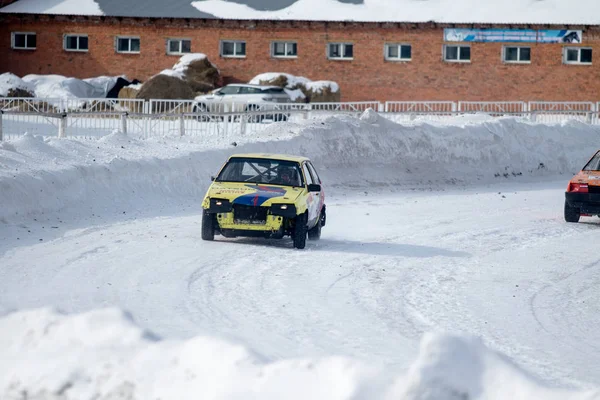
{"x":582,"y":197}
{"x":263,"y":195}
{"x":243,"y":98}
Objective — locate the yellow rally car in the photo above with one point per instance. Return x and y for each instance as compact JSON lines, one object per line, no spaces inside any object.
{"x":265,"y":195}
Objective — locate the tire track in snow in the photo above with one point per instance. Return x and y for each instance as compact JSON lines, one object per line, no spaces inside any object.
{"x":563,"y":280}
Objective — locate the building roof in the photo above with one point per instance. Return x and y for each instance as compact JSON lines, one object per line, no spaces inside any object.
{"x":558,"y":12}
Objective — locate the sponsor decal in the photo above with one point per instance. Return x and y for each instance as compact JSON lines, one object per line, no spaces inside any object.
{"x":262,"y":194}
{"x":513,"y":35}
{"x":231,"y":191}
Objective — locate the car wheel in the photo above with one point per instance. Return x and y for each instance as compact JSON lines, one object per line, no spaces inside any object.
{"x":208,"y":226}
{"x":572,"y":214}
{"x":300,"y":232}
{"x":257,"y":118}
{"x":201,"y":108}
{"x":314,"y":233}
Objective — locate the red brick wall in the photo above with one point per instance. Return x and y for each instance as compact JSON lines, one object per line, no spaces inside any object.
{"x":367,"y":77}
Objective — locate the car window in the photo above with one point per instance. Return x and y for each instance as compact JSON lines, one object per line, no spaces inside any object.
{"x":258,"y":170}
{"x":229,"y":90}
{"x":313,"y":171}
{"x":593,"y":164}
{"x":273,"y":90}
{"x":249,"y":90}
{"x":307,"y":175}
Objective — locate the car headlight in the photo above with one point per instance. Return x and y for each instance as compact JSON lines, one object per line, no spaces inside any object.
{"x":284,"y":210}
{"x":219,"y":206}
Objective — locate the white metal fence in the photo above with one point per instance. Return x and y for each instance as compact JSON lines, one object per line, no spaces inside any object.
{"x":155,"y":118}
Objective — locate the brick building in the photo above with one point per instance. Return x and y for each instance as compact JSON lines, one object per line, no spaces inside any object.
{"x":371,"y":60}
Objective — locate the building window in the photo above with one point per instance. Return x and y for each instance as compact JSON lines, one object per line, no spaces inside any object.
{"x":457,"y":53}
{"x":577,"y":55}
{"x":517,"y":55}
{"x":340,"y":51}
{"x":233,"y":48}
{"x":24,"y":40}
{"x":128,"y":44}
{"x":284,"y":49}
{"x":76,"y":43}
{"x":398,"y":52}
{"x":179,"y":46}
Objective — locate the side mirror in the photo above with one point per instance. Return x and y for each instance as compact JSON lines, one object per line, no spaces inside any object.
{"x":313,"y":187}
{"x":218,"y":93}
{"x":212,"y":178}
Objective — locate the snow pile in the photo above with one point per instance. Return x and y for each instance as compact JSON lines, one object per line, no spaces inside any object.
{"x":296,"y":86}
{"x":443,"y":11}
{"x":104,"y":83}
{"x":103,"y":354}
{"x":62,"y":7}
{"x":10,"y":82}
{"x":43,"y":175}
{"x":180,"y":68}
{"x":61,"y":87}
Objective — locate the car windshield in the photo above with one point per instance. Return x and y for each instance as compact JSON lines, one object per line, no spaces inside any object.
{"x":259,"y":170}
{"x":594,"y":164}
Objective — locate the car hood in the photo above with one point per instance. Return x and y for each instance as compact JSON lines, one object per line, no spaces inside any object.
{"x":253,"y":194}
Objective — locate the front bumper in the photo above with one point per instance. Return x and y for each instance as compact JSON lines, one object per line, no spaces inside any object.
{"x":588,"y":203}
{"x":273,"y":223}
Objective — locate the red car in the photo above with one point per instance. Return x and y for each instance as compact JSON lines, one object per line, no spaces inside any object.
{"x":583,"y":193}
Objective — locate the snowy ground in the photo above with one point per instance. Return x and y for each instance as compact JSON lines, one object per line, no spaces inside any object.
{"x":435,"y":234}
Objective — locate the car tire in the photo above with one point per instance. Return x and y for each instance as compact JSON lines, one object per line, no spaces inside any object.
{"x":208,"y":226}
{"x":314,"y":233}
{"x":572,"y":214}
{"x":299,"y":235}
{"x":200,"y":108}
{"x":255,"y":118}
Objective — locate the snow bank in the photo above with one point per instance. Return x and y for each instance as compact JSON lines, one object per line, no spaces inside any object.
{"x":450,"y":11}
{"x":103,"y":354}
{"x":61,"y":87}
{"x":43,"y":175}
{"x":61,"y":7}
{"x":10,"y":81}
{"x":104,"y":83}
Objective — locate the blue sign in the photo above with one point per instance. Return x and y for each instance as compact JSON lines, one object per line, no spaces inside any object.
{"x":513,"y":35}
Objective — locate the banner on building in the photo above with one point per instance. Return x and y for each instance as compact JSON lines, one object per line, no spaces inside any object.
{"x":513,"y":35}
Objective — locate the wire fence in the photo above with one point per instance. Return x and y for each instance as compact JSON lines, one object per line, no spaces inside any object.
{"x":93,"y":118}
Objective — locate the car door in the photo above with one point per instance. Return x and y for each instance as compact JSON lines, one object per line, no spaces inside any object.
{"x":313,"y":197}
{"x":227,"y":97}
{"x":317,"y":179}
{"x":249,"y":98}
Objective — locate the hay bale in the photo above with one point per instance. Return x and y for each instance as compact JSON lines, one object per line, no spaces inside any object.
{"x":280,"y":81}
{"x":165,"y":87}
{"x":317,"y":92}
{"x":128,"y":93}
{"x":201,"y":75}
{"x":13,"y":86}
{"x":18,"y":92}
{"x":120,"y":84}
{"x":325,"y":94}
